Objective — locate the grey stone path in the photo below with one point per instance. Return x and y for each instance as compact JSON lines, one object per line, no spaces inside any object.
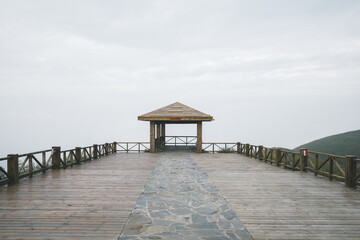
{"x":179,"y":201}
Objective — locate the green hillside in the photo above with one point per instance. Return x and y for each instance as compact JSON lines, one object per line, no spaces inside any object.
{"x":341,"y":144}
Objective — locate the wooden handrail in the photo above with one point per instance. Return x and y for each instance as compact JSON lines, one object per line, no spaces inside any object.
{"x":327,"y":154}
{"x":33,"y":153}
{"x":318,"y":163}
{"x":305,"y":160}
{"x":31,"y":163}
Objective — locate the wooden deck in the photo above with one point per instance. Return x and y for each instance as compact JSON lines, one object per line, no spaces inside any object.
{"x":274,"y":203}
{"x":94,"y":200}
{"x":91,"y":201}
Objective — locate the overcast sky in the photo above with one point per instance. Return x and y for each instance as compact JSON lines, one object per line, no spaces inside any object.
{"x":276,"y":73}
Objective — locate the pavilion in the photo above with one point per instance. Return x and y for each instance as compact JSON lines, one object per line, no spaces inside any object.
{"x":175,"y":113}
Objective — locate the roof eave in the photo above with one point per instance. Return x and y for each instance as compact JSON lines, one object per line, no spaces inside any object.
{"x":176,"y":119}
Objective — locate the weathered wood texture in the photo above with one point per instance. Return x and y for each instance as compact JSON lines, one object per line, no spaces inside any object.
{"x":199,"y":137}
{"x":90,"y":201}
{"x":276,"y":204}
{"x":176,"y":112}
{"x":152,"y":137}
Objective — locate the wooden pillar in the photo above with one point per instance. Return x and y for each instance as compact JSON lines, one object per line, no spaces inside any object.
{"x":106,"y":149}
{"x":114,"y":147}
{"x":247,"y":150}
{"x":56,"y":157}
{"x":304,"y":155}
{"x":163,"y":135}
{"x":260,"y":154}
{"x":237,"y":147}
{"x":78,"y":155}
{"x":158,"y":133}
{"x":277,"y":156}
{"x":13,"y":168}
{"x":350,"y":171}
{"x":95,"y":151}
{"x":199,"y":137}
{"x":152,"y":136}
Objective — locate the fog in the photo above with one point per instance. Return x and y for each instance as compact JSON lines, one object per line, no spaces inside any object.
{"x":276,"y":73}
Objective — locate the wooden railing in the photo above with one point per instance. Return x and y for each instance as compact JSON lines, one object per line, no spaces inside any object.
{"x":327,"y":165}
{"x":356,"y":179}
{"x":26,"y":165}
{"x":133,"y":147}
{"x":341,"y":168}
{"x":219,"y":147}
{"x":181,"y":140}
{"x":4,"y":176}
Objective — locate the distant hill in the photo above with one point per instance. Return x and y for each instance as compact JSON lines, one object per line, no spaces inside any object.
{"x":341,"y":144}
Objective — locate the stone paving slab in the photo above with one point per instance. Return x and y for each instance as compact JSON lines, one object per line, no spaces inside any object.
{"x":179,"y":201}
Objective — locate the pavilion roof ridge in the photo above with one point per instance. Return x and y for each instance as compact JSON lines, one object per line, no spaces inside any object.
{"x":176,"y":112}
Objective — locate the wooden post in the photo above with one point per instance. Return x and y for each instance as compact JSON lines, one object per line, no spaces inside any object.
{"x":350,"y":170}
{"x":64,"y":160}
{"x":277,"y":156}
{"x":78,"y":155}
{"x":44,"y":161}
{"x":316,"y":164}
{"x":247,"y":150}
{"x":56,"y":157}
{"x":163,"y":135}
{"x":304,"y":155}
{"x":157,"y":137}
{"x":237,"y":147}
{"x":95,"y":151}
{"x":331,"y":168}
{"x":106,"y":149}
{"x":265,"y":153}
{"x":114,"y":147}
{"x":31,"y":169}
{"x":260,"y":154}
{"x":13,"y":168}
{"x":199,"y":137}
{"x":152,"y":136}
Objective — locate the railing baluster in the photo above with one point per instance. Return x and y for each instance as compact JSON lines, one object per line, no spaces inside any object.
{"x":44,"y":161}
{"x":71,"y":157}
{"x":95,"y":151}
{"x":316,"y":164}
{"x":331,"y":168}
{"x":303,"y":159}
{"x":78,"y":155}
{"x":56,"y":157}
{"x":13,"y":168}
{"x":64,"y":159}
{"x":350,"y":171}
{"x":30,"y":161}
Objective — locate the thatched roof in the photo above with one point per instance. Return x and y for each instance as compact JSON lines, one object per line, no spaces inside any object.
{"x":176,"y":112}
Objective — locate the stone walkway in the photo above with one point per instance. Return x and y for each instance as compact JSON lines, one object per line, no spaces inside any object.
{"x":179,"y":201}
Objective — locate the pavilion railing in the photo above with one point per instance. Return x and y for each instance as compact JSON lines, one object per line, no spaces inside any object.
{"x":133,"y":147}
{"x":219,"y":147}
{"x":181,"y":140}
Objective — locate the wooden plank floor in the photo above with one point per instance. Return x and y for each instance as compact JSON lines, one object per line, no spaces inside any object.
{"x":94,"y":200}
{"x":274,"y":203}
{"x":91,"y":201}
